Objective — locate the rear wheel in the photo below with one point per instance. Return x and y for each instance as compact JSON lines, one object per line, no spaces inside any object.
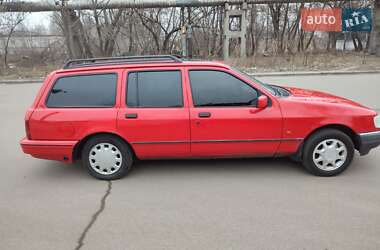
{"x":328,"y":152}
{"x":107,"y":157}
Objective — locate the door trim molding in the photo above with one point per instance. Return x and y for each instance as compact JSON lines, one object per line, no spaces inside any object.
{"x":248,"y":140}
{"x":159,"y":142}
{"x":218,"y":141}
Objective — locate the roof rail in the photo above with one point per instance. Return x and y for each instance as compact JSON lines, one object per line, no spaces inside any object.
{"x":103,"y":61}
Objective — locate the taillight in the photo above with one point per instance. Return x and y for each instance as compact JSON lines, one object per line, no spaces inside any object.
{"x":27,"y":130}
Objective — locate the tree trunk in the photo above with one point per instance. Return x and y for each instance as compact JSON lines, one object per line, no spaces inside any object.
{"x":281,"y":42}
{"x":6,"y":48}
{"x":374,"y":47}
{"x":310,"y":40}
{"x":252,"y":30}
{"x":357,"y":42}
{"x":76,"y":42}
{"x":221,"y":34}
{"x":331,"y":45}
{"x":130,"y":26}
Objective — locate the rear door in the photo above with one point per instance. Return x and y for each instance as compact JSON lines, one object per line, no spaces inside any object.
{"x":224,"y":118}
{"x":154,"y":115}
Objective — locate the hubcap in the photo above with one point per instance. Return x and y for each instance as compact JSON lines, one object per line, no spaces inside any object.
{"x":105,"y":158}
{"x":330,"y":154}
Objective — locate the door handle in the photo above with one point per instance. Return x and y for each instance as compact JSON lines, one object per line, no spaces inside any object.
{"x":131,"y":116}
{"x":204,"y":114}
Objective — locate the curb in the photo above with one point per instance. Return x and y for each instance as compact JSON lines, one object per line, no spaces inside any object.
{"x":285,"y":73}
{"x":22,"y":81}
{"x":311,"y":73}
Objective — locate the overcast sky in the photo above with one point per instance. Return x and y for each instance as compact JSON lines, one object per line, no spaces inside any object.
{"x":37,"y":18}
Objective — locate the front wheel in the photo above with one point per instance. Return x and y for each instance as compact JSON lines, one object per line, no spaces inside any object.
{"x":328,"y":152}
{"x":107,"y":157}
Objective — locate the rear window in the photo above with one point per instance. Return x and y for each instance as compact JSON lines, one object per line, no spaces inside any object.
{"x":97,"y":90}
{"x":154,"y":89}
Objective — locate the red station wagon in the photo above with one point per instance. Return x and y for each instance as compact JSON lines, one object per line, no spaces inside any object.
{"x":109,"y":112}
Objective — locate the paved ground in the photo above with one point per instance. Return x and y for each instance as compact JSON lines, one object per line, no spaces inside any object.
{"x":219,"y":204}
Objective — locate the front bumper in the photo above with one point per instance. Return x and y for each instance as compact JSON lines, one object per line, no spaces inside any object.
{"x":368,"y":141}
{"x":50,"y":150}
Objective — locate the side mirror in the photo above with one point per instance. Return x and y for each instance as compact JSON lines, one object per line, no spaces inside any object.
{"x":262,"y":102}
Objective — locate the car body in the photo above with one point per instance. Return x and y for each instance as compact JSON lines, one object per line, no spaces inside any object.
{"x":164,"y":107}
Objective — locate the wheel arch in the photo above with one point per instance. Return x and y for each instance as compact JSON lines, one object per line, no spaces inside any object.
{"x":343,"y":128}
{"x":79,"y":145}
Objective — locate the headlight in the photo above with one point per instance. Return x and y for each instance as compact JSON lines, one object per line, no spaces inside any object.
{"x":376,"y":121}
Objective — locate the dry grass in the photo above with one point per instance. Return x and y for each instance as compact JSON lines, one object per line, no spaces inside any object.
{"x":309,"y":62}
{"x":27,"y":72}
{"x":300,"y":62}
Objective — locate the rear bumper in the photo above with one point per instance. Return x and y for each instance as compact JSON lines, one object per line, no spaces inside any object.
{"x":368,"y":141}
{"x":50,"y":150}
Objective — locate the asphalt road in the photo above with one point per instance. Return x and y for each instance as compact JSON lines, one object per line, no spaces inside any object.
{"x":194,"y":204}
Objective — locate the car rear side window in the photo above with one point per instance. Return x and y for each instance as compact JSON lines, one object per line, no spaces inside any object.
{"x":154,"y":89}
{"x":217,"y":88}
{"x":97,"y":90}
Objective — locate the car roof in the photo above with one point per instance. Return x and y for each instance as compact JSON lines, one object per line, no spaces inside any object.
{"x":184,"y":63}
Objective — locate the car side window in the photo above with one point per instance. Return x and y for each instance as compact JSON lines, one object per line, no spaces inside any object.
{"x":95,"y":90}
{"x":218,"y":88}
{"x":154,"y":89}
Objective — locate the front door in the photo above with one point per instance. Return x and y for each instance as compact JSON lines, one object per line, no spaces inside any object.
{"x":154,"y":115}
{"x":224,"y":118}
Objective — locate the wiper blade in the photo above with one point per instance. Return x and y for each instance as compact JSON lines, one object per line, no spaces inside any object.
{"x":281,"y":91}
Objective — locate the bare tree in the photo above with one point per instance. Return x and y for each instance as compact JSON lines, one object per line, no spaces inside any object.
{"x":108,"y":23}
{"x":276,"y":26}
{"x":8,"y":24}
{"x":71,"y":26}
{"x":162,"y":24}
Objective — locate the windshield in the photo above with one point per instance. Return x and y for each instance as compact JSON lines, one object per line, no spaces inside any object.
{"x":265,"y":85}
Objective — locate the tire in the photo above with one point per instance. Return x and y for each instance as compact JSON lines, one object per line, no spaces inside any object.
{"x":107,"y":157}
{"x":328,"y":152}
